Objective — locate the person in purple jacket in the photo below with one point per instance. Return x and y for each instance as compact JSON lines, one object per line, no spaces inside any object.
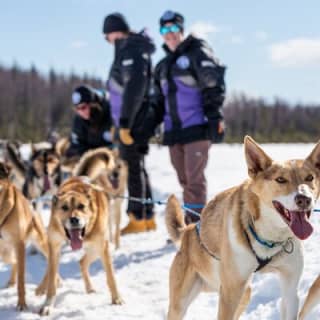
{"x":189,"y":91}
{"x":128,"y":86}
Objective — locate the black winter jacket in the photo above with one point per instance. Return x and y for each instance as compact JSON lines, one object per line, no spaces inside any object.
{"x":93,"y":133}
{"x":189,"y":91}
{"x":129,"y":78}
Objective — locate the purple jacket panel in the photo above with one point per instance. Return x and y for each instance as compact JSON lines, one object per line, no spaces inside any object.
{"x":189,"y":105}
{"x":116,"y":103}
{"x":189,"y":102}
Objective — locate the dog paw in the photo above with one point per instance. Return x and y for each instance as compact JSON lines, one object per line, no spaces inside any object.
{"x":117,"y":300}
{"x":40,"y":290}
{"x":45,"y":310}
{"x":59,"y":281}
{"x":10,"y":284}
{"x":91,"y":290}
{"x":21,"y":306}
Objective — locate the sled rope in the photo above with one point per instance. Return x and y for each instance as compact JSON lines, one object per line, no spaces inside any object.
{"x":186,"y":206}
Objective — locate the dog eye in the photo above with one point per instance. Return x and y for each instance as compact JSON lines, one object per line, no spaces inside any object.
{"x":80,"y":206}
{"x":309,"y":178}
{"x":281,"y":180}
{"x":65,"y":207}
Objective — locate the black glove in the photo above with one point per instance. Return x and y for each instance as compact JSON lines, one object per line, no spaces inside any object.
{"x":143,"y":149}
{"x":216,"y":130}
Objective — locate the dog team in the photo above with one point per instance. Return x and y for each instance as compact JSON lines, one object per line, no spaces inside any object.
{"x":257,"y":226}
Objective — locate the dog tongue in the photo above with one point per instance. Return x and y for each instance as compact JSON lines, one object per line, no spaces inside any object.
{"x":46,"y":183}
{"x":114,"y":182}
{"x":75,"y":238}
{"x":299,"y":225}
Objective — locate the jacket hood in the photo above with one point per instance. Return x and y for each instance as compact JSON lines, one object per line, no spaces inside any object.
{"x":189,"y":42}
{"x":136,"y":41}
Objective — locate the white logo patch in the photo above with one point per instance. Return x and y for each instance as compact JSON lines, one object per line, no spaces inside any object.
{"x":74,"y":138}
{"x":76,"y":98}
{"x":183,"y":62}
{"x":207,"y":63}
{"x":127,"y":62}
{"x":107,"y":136}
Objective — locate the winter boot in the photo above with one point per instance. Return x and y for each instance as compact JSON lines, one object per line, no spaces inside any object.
{"x":134,"y":225}
{"x":151,"y":224}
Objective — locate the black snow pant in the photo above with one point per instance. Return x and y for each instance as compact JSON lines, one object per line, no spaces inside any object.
{"x":138,"y":181}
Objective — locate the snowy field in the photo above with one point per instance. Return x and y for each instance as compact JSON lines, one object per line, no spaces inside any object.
{"x":143,"y":261}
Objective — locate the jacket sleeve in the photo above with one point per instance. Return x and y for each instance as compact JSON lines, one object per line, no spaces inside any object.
{"x":210,"y":76}
{"x":135,"y":75}
{"x":157,"y":97}
{"x":107,"y":113}
{"x":78,"y":139}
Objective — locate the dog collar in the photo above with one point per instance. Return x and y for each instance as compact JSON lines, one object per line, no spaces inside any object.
{"x":266,"y":243}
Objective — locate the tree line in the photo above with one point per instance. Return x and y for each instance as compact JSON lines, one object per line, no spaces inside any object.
{"x":32,"y":105}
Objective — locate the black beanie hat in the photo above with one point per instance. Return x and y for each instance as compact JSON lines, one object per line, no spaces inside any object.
{"x":83,"y":94}
{"x":174,"y":17}
{"x":115,"y":22}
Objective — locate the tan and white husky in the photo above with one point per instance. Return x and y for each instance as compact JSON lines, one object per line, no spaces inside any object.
{"x":256,"y":226}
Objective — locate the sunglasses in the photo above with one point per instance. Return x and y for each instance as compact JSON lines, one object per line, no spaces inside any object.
{"x":172,"y":28}
{"x":82,"y":107}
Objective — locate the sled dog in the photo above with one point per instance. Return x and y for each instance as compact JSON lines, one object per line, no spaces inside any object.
{"x":41,"y":175}
{"x":18,"y":224}
{"x":256,"y":226}
{"x":79,"y":215}
{"x":106,"y":168}
{"x":313,"y":298}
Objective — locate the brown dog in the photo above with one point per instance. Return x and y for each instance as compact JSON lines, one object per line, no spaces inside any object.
{"x":13,"y":158}
{"x":313,"y":298}
{"x":18,"y":223}
{"x":80,"y":215}
{"x":105,"y":168}
{"x":255,"y":226}
{"x":43,"y":174}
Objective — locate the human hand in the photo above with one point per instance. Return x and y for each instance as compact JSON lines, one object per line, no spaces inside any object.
{"x":125,"y":136}
{"x":216,"y":130}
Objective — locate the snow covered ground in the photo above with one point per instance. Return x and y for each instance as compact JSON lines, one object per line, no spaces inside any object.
{"x":143,"y":261}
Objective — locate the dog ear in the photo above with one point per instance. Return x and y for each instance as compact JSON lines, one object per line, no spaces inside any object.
{"x":257,"y":159}
{"x":314,"y":156}
{"x":4,"y":170}
{"x":33,"y":148}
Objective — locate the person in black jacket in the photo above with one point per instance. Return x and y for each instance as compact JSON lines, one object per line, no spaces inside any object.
{"x":189,"y":93}
{"x":128,"y":85}
{"x":92,"y":122}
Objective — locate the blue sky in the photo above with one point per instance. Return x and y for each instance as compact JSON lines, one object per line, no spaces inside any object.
{"x":271,"y":48}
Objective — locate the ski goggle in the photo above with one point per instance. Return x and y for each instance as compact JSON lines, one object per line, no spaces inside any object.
{"x":172,"y":28}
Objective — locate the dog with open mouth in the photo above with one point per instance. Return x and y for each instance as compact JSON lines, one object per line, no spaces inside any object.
{"x":18,"y":225}
{"x":79,"y":215}
{"x":105,"y":168}
{"x":254,"y":227}
{"x":38,"y":177}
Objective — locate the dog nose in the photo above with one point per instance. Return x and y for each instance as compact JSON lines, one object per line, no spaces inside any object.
{"x":302,"y":201}
{"x":115,"y":174}
{"x":74,"y":221}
